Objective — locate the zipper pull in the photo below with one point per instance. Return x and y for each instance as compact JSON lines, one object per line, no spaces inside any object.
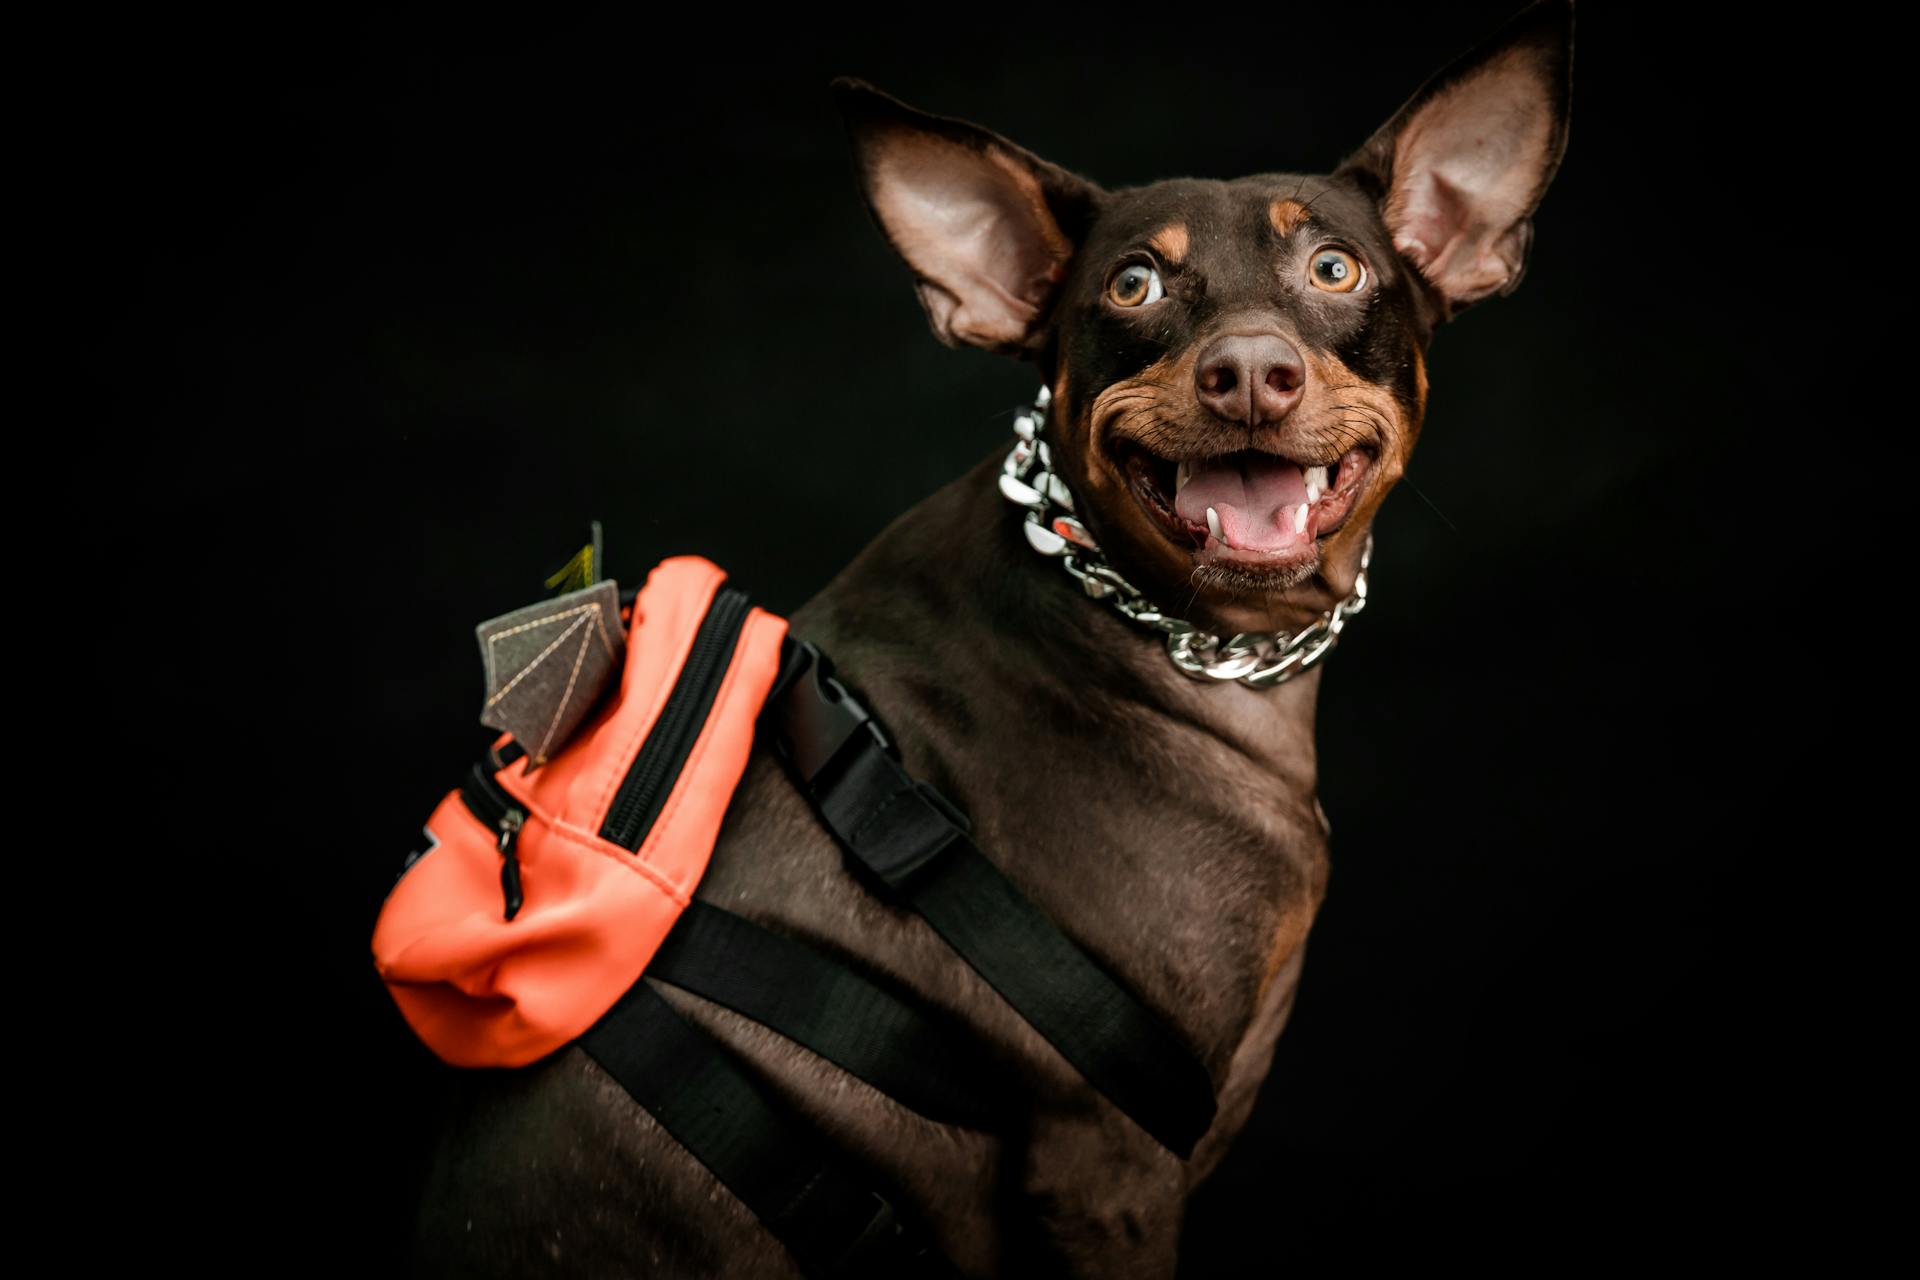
{"x":510,"y":824}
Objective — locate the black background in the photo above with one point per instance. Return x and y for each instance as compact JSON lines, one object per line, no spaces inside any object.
{"x":407,"y":301}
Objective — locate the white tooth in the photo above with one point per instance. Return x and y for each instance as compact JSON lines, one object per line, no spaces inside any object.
{"x":1181,"y":476}
{"x":1316,"y":483}
{"x":1213,"y":524}
{"x":1300,"y":519}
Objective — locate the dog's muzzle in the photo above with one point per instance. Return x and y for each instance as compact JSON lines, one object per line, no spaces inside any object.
{"x":1259,"y":659}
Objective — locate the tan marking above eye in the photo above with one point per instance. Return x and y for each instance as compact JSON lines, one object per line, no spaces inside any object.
{"x":1171,"y":241}
{"x":1135,"y":284}
{"x":1285,"y":215}
{"x":1335,"y":271}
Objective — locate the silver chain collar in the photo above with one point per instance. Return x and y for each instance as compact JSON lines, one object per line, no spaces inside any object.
{"x":1261,"y":659}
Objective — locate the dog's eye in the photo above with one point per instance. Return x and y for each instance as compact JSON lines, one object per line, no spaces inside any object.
{"x":1136,"y":286}
{"x":1336,"y":271}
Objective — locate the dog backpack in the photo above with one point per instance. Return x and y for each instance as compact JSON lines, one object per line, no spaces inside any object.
{"x":543,"y":894}
{"x":562,"y":873}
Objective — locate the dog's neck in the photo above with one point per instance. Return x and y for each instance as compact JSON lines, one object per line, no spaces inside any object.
{"x":952,"y":589}
{"x":1169,"y":823}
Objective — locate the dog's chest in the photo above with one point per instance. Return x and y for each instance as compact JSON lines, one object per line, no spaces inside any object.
{"x":1187,"y":866}
{"x":1171,"y":832}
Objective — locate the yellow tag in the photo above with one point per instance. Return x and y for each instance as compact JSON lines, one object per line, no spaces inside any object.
{"x":585,"y":569}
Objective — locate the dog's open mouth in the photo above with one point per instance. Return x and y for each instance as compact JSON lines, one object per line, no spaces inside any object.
{"x":1250,"y":507}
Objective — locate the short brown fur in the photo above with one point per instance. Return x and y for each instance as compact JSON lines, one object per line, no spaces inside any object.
{"x":1168,"y":825}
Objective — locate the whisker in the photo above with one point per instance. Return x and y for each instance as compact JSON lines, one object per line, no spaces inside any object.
{"x":1429,"y":501}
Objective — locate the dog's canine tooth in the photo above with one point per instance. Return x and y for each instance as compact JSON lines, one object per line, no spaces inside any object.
{"x":1213,"y":524}
{"x":1182,"y":474}
{"x":1316,"y":483}
{"x":1300,"y":519}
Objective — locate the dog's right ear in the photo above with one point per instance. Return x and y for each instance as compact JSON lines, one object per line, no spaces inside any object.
{"x":1462,"y":166}
{"x":986,"y":226}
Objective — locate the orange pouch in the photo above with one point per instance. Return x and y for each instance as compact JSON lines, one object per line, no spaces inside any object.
{"x":606,"y":841}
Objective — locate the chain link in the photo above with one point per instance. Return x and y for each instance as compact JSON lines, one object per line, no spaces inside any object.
{"x":1260,"y":659}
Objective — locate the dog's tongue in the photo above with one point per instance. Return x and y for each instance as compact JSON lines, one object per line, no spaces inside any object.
{"x":1256,"y":496}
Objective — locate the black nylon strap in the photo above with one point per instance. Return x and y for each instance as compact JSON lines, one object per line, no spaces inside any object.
{"x":819,"y":1002}
{"x":832,"y":1224}
{"x":916,"y":848}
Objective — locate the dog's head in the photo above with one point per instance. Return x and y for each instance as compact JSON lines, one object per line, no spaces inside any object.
{"x":1238,"y":368}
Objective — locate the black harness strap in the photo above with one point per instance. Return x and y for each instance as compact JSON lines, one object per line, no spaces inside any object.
{"x":915,"y":844}
{"x":818,"y":1002}
{"x":820,"y":1209}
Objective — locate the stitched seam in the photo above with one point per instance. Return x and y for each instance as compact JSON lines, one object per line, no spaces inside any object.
{"x":893,"y":802}
{"x":626,"y":859}
{"x":606,"y":638}
{"x":566,"y":699}
{"x":803,"y":1192}
{"x":541,"y":656}
{"x":541,"y":622}
{"x":877,"y":815}
{"x":533,"y":810}
{"x":600,"y":618}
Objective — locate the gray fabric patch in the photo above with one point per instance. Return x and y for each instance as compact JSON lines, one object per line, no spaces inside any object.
{"x":547,"y":665}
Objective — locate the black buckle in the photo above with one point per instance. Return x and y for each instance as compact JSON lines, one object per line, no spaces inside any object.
{"x":816,"y":716}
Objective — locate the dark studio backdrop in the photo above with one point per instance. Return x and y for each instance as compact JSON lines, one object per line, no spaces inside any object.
{"x":421,"y":297}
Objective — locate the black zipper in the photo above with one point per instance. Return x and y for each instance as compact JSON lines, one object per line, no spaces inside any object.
{"x":495,"y":806}
{"x":654,"y":771}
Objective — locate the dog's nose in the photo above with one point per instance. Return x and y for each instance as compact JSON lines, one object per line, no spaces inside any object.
{"x":1250,"y":378}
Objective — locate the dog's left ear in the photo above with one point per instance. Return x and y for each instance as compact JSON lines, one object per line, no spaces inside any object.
{"x":987,"y":227}
{"x":1460,"y":169}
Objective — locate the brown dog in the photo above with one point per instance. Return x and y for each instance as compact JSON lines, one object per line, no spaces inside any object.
{"x":1238,"y":376}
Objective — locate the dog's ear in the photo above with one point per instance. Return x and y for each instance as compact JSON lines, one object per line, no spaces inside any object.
{"x":1460,"y":169}
{"x":987,"y":227}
